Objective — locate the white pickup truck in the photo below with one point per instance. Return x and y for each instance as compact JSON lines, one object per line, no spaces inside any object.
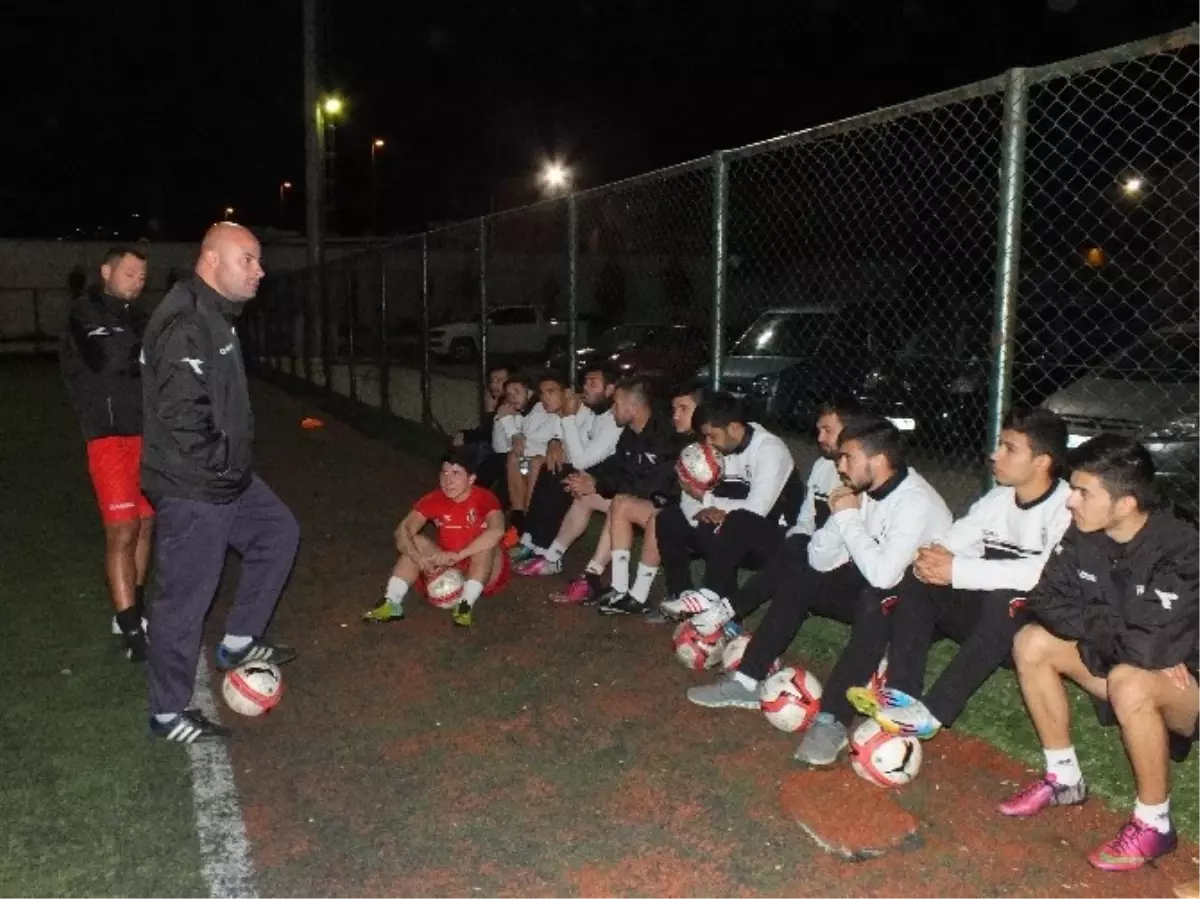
{"x":512,"y":331}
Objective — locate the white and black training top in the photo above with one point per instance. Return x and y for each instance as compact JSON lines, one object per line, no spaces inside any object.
{"x":1001,"y":544}
{"x":756,"y":473}
{"x":814,"y":510}
{"x":883,"y":535}
{"x":588,"y":439}
{"x":538,"y":427}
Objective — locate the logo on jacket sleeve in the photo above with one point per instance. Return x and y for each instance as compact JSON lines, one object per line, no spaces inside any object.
{"x":194,"y":365}
{"x":1167,"y":599}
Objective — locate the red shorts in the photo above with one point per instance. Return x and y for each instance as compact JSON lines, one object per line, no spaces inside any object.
{"x":115,"y":464}
{"x":499,"y":582}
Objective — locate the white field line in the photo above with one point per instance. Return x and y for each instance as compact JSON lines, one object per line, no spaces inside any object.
{"x":225,"y":860}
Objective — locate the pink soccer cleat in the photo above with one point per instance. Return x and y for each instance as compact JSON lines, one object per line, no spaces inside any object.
{"x":1136,"y":844}
{"x":579,"y":590}
{"x":539,"y":566}
{"x":1042,"y":794}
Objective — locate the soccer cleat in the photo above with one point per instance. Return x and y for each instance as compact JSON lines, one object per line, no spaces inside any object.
{"x":540,"y":566}
{"x":727,"y":693}
{"x":136,"y":646}
{"x":718,"y":616}
{"x":578,"y":591}
{"x":895,"y":711}
{"x":258,"y":651}
{"x":521,"y":553}
{"x":511,"y":537}
{"x":604,"y":597}
{"x":690,"y":602}
{"x":1041,"y":794}
{"x":116,"y":628}
{"x":189,"y":727}
{"x":463,"y":614}
{"x":823,"y":742}
{"x":1136,"y":844}
{"x":384,"y":612}
{"x":624,"y":604}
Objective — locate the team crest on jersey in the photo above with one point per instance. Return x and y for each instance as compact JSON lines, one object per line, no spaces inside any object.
{"x":472,"y":517}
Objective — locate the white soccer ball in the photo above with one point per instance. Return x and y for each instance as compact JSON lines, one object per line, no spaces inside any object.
{"x":886,"y":760}
{"x":253,"y":689}
{"x":731,"y":655}
{"x":446,"y":588}
{"x":700,"y":466}
{"x":791,"y":699}
{"x":697,"y":651}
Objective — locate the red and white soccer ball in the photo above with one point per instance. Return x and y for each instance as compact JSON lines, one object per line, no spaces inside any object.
{"x":446,"y":588}
{"x":700,"y":467}
{"x":731,"y":655}
{"x":253,"y":689}
{"x":697,"y":651}
{"x":791,"y":699}
{"x":886,"y":760}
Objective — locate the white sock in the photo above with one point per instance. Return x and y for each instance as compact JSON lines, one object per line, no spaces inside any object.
{"x":594,"y":567}
{"x":748,"y":682}
{"x":642,"y":583}
{"x":1064,"y":765}
{"x":396,"y":590}
{"x":235,"y":643}
{"x":164,"y":717}
{"x":1156,"y":816}
{"x":472,"y":590}
{"x":526,"y":540}
{"x":620,"y":570}
{"x":555,"y":552}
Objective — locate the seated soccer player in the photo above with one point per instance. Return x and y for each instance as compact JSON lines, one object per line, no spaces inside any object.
{"x":643,"y":464}
{"x":741,"y":522}
{"x":469,"y":525}
{"x":965,"y":586}
{"x":521,"y":431}
{"x":626,"y":513}
{"x":791,"y":556}
{"x":490,"y":465}
{"x":586,"y":435}
{"x":883,"y":512}
{"x":1116,"y":612}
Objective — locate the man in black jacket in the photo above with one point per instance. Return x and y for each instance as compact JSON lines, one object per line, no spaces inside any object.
{"x":198,"y":471}
{"x":1116,"y":612}
{"x":99,"y":354}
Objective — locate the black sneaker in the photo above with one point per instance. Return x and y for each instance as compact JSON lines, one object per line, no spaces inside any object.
{"x":625,"y":605}
{"x":258,"y":651}
{"x":657,"y":616}
{"x":603,"y":598}
{"x":189,"y":727}
{"x":136,"y":645}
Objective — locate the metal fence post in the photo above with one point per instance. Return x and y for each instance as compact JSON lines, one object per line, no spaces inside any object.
{"x":572,"y":286}
{"x":426,"y":398}
{"x":385,"y":365}
{"x":719,"y":224}
{"x":1008,"y":252}
{"x":351,"y":315}
{"x":483,"y":316}
{"x":37,"y":322}
{"x":312,"y":290}
{"x":324,"y":336}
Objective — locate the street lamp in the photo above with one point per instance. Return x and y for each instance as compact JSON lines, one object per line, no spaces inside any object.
{"x":556,"y":178}
{"x":283,"y":189}
{"x":376,"y":145}
{"x":333,"y":106}
{"x":1133,"y":185}
{"x":228,"y":212}
{"x":330,"y":109}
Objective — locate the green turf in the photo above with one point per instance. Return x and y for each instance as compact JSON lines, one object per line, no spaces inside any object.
{"x":89,"y":805}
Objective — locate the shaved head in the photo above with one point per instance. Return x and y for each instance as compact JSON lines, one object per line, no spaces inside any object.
{"x":230,"y":261}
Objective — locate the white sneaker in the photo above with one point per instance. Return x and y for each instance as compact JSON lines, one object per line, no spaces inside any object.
{"x":716,"y":617}
{"x":690,"y":602}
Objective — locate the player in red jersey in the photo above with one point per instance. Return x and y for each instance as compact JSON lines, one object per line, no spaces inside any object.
{"x":470,"y":526}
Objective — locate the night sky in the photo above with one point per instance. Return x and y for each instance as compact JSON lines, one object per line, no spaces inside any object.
{"x":173,"y":111}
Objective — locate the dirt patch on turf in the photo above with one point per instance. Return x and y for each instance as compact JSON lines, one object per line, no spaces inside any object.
{"x":551,"y":751}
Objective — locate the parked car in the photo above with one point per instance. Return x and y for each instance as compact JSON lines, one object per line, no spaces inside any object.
{"x":668,"y":351}
{"x":1149,"y":391}
{"x":512,"y":331}
{"x":790,"y":360}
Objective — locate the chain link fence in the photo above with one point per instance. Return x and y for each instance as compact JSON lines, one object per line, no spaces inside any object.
{"x":1027,"y":239}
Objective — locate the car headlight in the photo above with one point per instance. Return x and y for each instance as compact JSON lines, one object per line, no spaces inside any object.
{"x":1185,"y":427}
{"x":963,"y":385}
{"x":763,"y":385}
{"x":873,"y":379}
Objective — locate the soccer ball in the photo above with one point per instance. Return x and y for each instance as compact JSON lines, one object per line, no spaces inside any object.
{"x":445,"y":588}
{"x":700,"y":467}
{"x":731,"y":655}
{"x":790,"y":699}
{"x":695,"y":650}
{"x":253,"y":689}
{"x":886,"y":760}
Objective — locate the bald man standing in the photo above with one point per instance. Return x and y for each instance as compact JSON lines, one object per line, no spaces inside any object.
{"x":198,"y":473}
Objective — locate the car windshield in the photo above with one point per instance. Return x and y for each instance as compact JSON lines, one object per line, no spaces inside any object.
{"x":622,"y":337}
{"x":783,"y":334}
{"x":1170,"y":358}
